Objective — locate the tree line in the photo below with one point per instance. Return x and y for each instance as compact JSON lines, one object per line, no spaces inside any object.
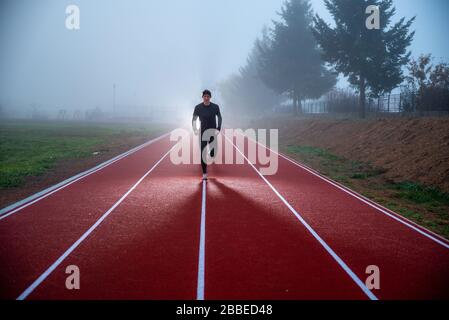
{"x":301,"y":56}
{"x":426,"y":86}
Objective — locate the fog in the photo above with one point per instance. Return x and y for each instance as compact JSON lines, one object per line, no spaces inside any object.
{"x":159,"y":54}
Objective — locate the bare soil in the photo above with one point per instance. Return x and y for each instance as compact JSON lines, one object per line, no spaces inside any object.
{"x":405,"y":149}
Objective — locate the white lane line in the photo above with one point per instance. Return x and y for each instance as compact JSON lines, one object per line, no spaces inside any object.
{"x":312,"y":231}
{"x":420,"y":229}
{"x":6,"y":212}
{"x":202,"y":249}
{"x":47,"y":272}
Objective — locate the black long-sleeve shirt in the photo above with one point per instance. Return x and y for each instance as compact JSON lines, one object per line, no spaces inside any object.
{"x":207,"y":115}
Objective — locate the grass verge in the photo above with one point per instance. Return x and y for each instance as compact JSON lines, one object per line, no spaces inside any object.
{"x":425,"y":205}
{"x":30,"y":148}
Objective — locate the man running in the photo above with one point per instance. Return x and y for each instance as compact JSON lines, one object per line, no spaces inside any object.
{"x":207,"y":112}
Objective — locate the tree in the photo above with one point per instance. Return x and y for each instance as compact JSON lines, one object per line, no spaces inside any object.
{"x":439,"y":77}
{"x":371,"y":59}
{"x":427,"y":85}
{"x":438,"y":92}
{"x":419,"y":72}
{"x":290,"y":59}
{"x":245,"y":91}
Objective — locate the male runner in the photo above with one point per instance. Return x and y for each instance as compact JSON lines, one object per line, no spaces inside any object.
{"x":207,"y":112}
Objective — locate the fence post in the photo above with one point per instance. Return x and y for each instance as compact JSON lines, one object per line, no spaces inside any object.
{"x":388,"y":107}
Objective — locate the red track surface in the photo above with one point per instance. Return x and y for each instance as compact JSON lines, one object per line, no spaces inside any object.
{"x":148,"y":247}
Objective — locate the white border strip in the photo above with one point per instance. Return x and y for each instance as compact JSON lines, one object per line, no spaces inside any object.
{"x":5,"y":212}
{"x":47,"y":272}
{"x":420,"y":229}
{"x":202,"y":249}
{"x":314,"y":234}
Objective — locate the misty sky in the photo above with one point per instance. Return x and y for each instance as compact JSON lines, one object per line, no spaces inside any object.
{"x":157,"y":52}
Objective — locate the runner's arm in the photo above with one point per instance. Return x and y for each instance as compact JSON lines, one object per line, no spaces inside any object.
{"x":219,"y":118}
{"x":194,"y":118}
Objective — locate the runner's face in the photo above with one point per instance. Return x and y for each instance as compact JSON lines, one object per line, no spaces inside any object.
{"x":206,"y":99}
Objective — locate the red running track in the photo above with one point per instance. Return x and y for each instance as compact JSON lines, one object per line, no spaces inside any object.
{"x":143,"y":228}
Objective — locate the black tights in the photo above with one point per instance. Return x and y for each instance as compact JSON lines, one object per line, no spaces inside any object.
{"x":212,"y":152}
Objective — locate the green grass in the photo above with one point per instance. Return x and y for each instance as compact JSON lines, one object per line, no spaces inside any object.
{"x":430,"y":204}
{"x":313,"y":151}
{"x":420,"y":194}
{"x":439,"y":223}
{"x":336,"y":167}
{"x":32,"y":148}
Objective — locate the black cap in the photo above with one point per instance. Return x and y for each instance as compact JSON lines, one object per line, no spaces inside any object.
{"x":207,"y":92}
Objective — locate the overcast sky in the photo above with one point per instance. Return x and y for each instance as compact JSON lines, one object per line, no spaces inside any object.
{"x":157,"y":52}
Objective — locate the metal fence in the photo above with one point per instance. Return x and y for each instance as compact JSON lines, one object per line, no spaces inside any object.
{"x":392,"y":104}
{"x":388,"y":103}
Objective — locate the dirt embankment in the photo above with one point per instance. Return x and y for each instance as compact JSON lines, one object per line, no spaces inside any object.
{"x":408,"y":149}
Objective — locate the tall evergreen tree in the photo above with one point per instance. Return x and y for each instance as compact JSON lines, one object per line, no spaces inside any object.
{"x":290,"y":59}
{"x":245,"y":91}
{"x":372,"y":59}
